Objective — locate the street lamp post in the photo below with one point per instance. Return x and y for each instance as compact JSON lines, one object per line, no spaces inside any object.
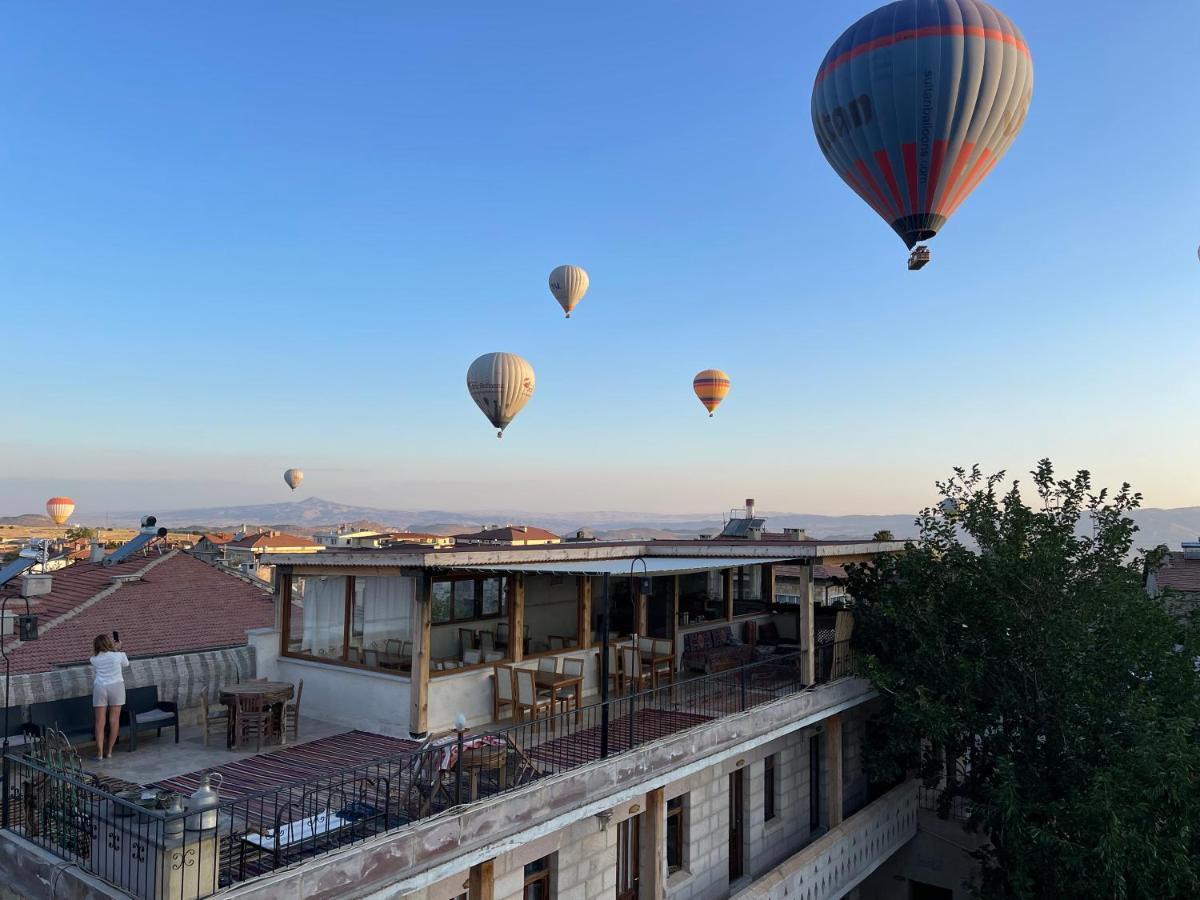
{"x":28,"y":631}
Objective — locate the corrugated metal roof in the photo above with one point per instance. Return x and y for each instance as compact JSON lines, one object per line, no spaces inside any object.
{"x":676,"y":565}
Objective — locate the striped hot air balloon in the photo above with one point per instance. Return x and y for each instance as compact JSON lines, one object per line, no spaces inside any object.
{"x":568,"y":284}
{"x":59,"y":509}
{"x":711,"y":386}
{"x":915,"y":104}
{"x":500,"y":384}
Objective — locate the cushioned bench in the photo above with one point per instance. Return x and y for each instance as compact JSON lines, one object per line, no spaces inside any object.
{"x":143,"y":711}
{"x":713,"y":651}
{"x":72,"y":716}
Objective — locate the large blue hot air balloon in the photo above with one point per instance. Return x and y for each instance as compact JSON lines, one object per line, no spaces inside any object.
{"x":916,"y":102}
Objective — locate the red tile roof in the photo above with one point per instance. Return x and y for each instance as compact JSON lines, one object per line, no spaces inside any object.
{"x":217,"y":537}
{"x":181,"y":604}
{"x":828,"y":573}
{"x":266,"y":541}
{"x":1179,"y":574}
{"x":510,"y":533}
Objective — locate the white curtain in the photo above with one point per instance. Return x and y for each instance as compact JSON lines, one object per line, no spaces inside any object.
{"x":387,"y":608}
{"x":324,"y":613}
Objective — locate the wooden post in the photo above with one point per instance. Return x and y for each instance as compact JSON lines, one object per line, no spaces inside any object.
{"x":516,"y":618}
{"x":675,"y":621}
{"x":481,"y":880}
{"x":770,"y":585}
{"x":727,"y":593}
{"x":642,"y":605}
{"x":833,"y":769}
{"x":652,"y":879}
{"x":808,"y":631}
{"x":422,"y":617}
{"x":584,"y":587}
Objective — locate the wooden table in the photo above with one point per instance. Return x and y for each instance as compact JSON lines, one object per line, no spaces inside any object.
{"x":555,"y":680}
{"x":274,"y":694}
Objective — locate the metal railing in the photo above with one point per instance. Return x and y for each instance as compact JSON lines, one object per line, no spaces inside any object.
{"x":152,"y":853}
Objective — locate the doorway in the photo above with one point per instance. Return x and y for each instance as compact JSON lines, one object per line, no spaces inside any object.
{"x":737,"y":841}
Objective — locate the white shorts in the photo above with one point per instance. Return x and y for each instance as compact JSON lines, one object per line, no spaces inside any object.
{"x":108,"y":694}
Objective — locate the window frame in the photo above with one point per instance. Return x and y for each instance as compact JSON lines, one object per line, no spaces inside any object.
{"x":675,"y":819}
{"x":477,"y":615}
{"x":770,"y":787}
{"x":538,"y":875}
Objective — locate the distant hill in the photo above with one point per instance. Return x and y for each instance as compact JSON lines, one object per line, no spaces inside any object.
{"x":1158,"y":526}
{"x":36,"y":519}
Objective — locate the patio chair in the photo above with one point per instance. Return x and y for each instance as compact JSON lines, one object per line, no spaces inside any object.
{"x":424,"y":781}
{"x":213,"y":718}
{"x":466,"y":639}
{"x":557,"y":642}
{"x":573,"y":666}
{"x":502,"y":634}
{"x":664,"y":662}
{"x":254,"y":719}
{"x":493,"y":655}
{"x":502,"y":696}
{"x":530,"y":699}
{"x":371,"y":658}
{"x":547,"y":664}
{"x":635,"y":677}
{"x":472,"y":657}
{"x":291,"y":714}
{"x":487,"y":641}
{"x":615,"y":682}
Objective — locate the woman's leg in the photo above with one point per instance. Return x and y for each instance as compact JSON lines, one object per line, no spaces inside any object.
{"x":114,"y":728}
{"x":101,"y":712}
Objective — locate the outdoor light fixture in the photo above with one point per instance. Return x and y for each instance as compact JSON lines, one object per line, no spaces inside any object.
{"x":27,"y":631}
{"x":460,"y":722}
{"x":605,"y":816}
{"x":27,"y":626}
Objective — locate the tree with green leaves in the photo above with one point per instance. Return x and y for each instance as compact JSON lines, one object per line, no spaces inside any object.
{"x":883,"y":535}
{"x":1015,"y":639}
{"x":81,"y":533}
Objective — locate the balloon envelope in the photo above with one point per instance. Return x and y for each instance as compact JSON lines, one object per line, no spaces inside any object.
{"x":293,"y":477}
{"x":500,"y":384}
{"x":568,"y":284}
{"x":711,"y":386}
{"x":59,"y":509}
{"x":917,"y":101}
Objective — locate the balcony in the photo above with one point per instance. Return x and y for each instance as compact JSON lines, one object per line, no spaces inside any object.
{"x":413,"y":806}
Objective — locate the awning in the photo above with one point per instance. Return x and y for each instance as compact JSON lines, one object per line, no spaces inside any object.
{"x":674,"y":565}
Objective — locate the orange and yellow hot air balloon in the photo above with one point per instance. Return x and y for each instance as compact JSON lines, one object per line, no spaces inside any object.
{"x":711,"y":386}
{"x":59,"y":509}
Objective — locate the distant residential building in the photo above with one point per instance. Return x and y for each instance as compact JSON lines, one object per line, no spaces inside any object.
{"x":343,"y":536}
{"x":211,"y":546}
{"x":510,"y":535}
{"x":392,"y":538}
{"x":243,"y":554}
{"x":1178,"y":574}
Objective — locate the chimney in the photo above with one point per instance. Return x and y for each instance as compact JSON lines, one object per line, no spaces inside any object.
{"x":749,"y":507}
{"x":97,"y":552}
{"x":794,"y":534}
{"x":36,"y":585}
{"x":1191,"y":549}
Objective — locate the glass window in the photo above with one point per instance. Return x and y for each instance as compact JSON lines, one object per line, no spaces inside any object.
{"x":700,"y":597}
{"x":769,"y":788}
{"x":468,"y":599}
{"x":322,"y":630}
{"x":628,"y":837}
{"x":381,"y":619}
{"x":675,"y":838}
{"x":495,"y":593}
{"x":443,"y":601}
{"x":537,"y":879}
{"x":464,"y":600}
{"x":748,"y":595}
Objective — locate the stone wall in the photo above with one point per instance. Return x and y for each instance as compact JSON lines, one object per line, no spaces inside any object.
{"x":179,"y":678}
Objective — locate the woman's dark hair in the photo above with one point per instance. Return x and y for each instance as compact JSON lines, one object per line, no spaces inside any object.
{"x":102,"y":644}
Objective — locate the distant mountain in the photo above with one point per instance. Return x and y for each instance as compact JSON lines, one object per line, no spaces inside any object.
{"x":35,"y":519}
{"x":1158,"y":526}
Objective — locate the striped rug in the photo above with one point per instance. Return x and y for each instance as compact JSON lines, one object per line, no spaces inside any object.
{"x":573,"y":750}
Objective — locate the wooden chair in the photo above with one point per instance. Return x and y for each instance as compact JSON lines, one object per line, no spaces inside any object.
{"x":213,"y":718}
{"x":472,"y":657}
{"x":487,"y":641}
{"x":502,"y":634}
{"x":635,"y":677}
{"x":291,"y":714}
{"x":254,"y":719}
{"x":493,"y":655}
{"x":573,"y":666}
{"x":530,"y":700}
{"x":664,"y":662}
{"x":557,"y":642}
{"x":503,"y":695}
{"x":615,"y":682}
{"x":547,"y":664}
{"x":466,"y":639}
{"x":371,"y":658}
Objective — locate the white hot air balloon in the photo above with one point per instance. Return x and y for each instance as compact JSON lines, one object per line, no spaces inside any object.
{"x":568,"y":284}
{"x":293,"y":477}
{"x":500,"y":384}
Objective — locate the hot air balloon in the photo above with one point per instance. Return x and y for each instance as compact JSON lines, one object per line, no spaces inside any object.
{"x":293,"y":477}
{"x":500,"y":384}
{"x":568,"y":284}
{"x":916,"y":102}
{"x":711,"y":386}
{"x":59,"y":509}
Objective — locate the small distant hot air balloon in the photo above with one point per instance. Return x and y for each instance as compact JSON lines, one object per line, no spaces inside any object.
{"x":293,"y":477}
{"x":711,"y":386}
{"x":500,"y":384}
{"x":916,"y":102}
{"x":568,"y":284}
{"x":59,"y":509}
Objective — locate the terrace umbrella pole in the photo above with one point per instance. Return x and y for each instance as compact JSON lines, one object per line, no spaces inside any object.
{"x":604,"y":673}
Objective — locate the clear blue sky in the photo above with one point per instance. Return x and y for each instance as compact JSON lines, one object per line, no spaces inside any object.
{"x":239,"y":237}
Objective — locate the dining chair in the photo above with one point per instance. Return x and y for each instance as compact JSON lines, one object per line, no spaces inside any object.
{"x":664,"y":662}
{"x":503,"y":694}
{"x":616,"y":683}
{"x":557,"y":642}
{"x":530,"y":700}
{"x":406,"y":649}
{"x":254,"y":719}
{"x":573,"y":666}
{"x":502,"y":634}
{"x":291,"y":714}
{"x":472,"y":657}
{"x":547,"y":664}
{"x":487,"y":641}
{"x":492,"y":655}
{"x":371,"y":658}
{"x":466,"y":639}
{"x":213,"y":718}
{"x":636,"y":678}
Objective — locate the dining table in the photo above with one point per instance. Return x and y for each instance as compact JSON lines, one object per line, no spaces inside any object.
{"x":274,"y":693}
{"x":556,"y":681}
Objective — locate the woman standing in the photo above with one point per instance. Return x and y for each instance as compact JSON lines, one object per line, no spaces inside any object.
{"x":108,"y":691}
